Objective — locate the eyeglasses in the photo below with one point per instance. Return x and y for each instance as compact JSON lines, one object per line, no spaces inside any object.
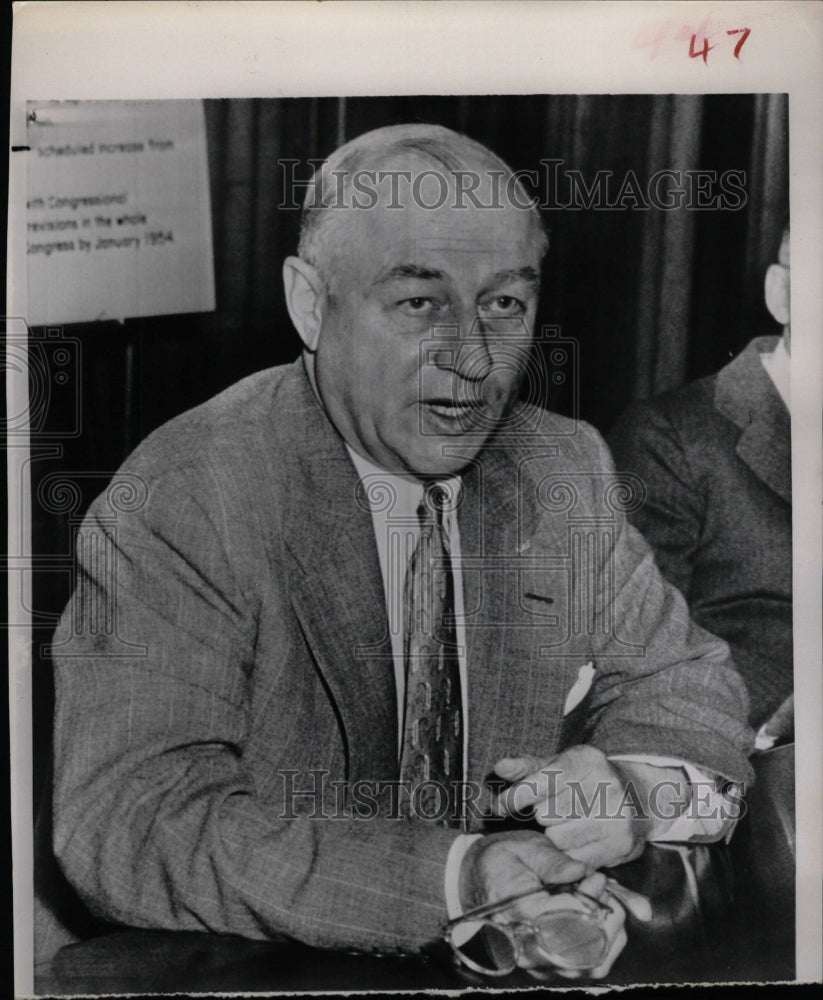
{"x":567,"y":938}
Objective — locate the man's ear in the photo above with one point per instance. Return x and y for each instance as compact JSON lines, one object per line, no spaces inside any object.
{"x":778,"y":292}
{"x":306,"y":299}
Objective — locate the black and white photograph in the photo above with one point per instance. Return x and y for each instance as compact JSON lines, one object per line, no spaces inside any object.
{"x":410,"y":558}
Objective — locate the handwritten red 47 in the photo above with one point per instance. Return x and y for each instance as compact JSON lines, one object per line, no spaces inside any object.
{"x":695,"y":53}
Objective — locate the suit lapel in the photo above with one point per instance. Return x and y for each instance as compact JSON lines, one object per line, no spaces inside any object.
{"x":336,"y":584}
{"x":745,"y":394}
{"x":499,"y":664}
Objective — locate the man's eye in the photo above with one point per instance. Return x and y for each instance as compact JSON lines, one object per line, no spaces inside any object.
{"x":503,"y":305}
{"x":417,"y":306}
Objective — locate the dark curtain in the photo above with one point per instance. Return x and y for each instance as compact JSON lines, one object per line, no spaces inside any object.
{"x":641,"y":299}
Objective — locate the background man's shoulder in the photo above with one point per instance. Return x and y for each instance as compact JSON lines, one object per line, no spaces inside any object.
{"x":686,"y":405}
{"x":687,"y":417}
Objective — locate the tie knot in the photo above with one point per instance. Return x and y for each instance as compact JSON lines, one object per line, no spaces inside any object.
{"x":437,"y":499}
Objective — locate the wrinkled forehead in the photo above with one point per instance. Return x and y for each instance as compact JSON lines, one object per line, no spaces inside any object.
{"x":437,"y":213}
{"x":463,"y":249}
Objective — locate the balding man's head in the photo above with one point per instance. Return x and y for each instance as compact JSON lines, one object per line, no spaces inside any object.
{"x":420,"y":165}
{"x":415,"y":295}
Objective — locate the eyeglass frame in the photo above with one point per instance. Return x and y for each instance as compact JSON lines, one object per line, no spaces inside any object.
{"x":483,"y":913}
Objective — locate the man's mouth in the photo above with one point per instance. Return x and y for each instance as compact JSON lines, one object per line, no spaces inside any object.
{"x":450,"y":416}
{"x":451,"y":409}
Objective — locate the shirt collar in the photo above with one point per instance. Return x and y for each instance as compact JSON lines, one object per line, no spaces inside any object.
{"x":406,"y":490}
{"x":778,"y":368}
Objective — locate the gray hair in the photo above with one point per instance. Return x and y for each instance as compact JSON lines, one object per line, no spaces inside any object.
{"x":441,"y":147}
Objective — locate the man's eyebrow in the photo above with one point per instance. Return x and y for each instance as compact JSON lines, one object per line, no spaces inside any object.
{"x":527,"y":274}
{"x":409,"y":271}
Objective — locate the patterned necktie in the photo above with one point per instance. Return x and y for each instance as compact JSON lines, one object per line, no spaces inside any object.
{"x":431,"y":765}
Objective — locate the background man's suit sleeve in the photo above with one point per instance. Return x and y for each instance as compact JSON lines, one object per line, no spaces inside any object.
{"x":158,"y":818}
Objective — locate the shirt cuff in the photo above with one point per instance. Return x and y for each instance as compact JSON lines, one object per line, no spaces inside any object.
{"x":710,"y":815}
{"x":764,"y":740}
{"x":454,"y":907}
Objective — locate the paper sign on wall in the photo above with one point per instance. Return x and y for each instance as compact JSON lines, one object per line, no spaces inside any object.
{"x":118,"y":212}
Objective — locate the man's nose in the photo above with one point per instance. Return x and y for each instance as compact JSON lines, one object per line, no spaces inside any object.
{"x":463,"y":349}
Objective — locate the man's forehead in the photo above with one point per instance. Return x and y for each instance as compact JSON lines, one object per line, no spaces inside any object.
{"x":437,"y":244}
{"x":422,"y":193}
{"x":413,"y":231}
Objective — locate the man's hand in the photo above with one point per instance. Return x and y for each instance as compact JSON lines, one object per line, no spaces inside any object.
{"x":504,"y":864}
{"x":582,"y":800}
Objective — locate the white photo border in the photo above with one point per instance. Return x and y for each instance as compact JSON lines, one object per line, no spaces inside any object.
{"x":82,"y":51}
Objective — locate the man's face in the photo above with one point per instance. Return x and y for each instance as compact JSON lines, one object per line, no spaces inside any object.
{"x":427,"y":335}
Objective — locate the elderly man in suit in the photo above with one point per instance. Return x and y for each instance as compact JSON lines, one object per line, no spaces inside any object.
{"x":360,"y":585}
{"x":715,"y":458}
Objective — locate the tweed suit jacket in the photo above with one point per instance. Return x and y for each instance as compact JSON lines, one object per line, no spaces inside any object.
{"x":246,"y":578}
{"x":715,"y":457}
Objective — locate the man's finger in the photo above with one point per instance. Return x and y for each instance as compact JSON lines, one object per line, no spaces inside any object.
{"x":550,"y":812}
{"x":569,"y":835}
{"x":552,"y":867}
{"x":534,"y":786}
{"x":520,"y":797}
{"x":597,"y":853}
{"x":594,"y":843}
{"x":593,"y":885}
{"x":638,"y":905}
{"x":516,"y":768}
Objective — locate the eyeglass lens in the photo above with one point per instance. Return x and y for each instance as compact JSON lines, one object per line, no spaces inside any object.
{"x":490,"y":951}
{"x":566,"y":939}
{"x":571,"y":940}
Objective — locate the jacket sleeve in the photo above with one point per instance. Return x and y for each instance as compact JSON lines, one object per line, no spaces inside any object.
{"x":158,"y":820}
{"x":663,"y":686}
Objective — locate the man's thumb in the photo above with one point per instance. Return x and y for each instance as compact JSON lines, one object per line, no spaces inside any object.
{"x":516,"y":768}
{"x":554,"y":867}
